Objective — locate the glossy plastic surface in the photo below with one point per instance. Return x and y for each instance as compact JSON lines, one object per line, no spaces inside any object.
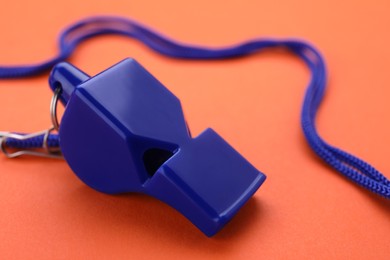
{"x":123,"y":131}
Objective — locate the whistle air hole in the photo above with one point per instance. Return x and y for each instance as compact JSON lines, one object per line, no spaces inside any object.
{"x":154,"y":158}
{"x":57,"y":84}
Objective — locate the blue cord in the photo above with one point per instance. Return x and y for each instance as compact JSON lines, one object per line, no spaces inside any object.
{"x":350,"y":166}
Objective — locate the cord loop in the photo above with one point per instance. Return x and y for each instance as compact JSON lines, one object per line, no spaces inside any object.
{"x":350,"y":166}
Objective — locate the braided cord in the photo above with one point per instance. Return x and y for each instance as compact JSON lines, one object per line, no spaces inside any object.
{"x":347,"y":164}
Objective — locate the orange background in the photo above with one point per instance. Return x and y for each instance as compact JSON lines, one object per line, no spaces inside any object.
{"x":304,"y":210}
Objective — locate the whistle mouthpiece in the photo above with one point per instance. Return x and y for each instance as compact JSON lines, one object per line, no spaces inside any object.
{"x":123,"y":131}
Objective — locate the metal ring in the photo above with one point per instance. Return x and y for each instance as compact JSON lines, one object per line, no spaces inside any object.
{"x":45,"y":145}
{"x":49,"y":152}
{"x":53,"y":109}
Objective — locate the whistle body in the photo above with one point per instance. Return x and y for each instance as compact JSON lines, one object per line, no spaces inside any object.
{"x":123,"y":131}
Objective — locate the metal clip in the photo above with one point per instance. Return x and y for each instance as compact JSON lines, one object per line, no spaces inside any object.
{"x":45,"y":150}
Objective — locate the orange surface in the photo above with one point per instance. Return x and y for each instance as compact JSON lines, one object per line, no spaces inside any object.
{"x":303,"y":211}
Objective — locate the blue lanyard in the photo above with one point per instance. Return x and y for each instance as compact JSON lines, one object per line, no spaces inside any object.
{"x":347,"y":164}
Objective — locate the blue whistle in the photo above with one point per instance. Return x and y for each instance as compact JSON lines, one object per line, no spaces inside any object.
{"x":123,"y":131}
